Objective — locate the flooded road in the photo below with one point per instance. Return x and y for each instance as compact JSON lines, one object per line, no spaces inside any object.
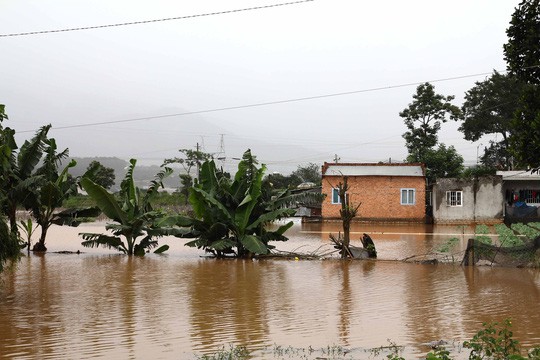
{"x":99,"y":304}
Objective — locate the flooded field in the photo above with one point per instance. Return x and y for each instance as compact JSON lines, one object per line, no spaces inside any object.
{"x":99,"y":304}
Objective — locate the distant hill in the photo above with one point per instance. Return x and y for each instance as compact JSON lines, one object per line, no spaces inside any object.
{"x":143,"y":174}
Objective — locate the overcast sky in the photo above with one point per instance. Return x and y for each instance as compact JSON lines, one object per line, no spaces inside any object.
{"x":377,"y":51}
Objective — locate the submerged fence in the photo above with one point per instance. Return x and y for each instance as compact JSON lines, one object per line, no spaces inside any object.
{"x":526,"y":255}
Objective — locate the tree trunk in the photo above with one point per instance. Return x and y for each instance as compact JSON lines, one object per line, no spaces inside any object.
{"x":40,"y":245}
{"x":346,"y":217}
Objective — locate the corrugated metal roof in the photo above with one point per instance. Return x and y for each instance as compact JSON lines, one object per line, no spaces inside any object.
{"x":519,"y":175}
{"x":373,"y":170}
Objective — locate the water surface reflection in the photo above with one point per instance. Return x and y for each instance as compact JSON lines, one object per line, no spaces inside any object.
{"x":102,"y":305}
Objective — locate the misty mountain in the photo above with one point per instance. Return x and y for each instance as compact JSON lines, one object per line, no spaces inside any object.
{"x":143,"y":174}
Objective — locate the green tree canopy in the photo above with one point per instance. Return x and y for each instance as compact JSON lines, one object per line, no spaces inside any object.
{"x":525,"y":140}
{"x":489,"y":108}
{"x":522,"y":51}
{"x":443,"y":162}
{"x":9,"y":241}
{"x":191,"y":158}
{"x":522,"y":55}
{"x":309,"y":173}
{"x":423,"y":119}
{"x":100,"y":174}
{"x":280,"y":181}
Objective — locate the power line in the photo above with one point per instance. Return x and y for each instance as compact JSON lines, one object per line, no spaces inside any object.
{"x":155,"y":20}
{"x":268,"y":103}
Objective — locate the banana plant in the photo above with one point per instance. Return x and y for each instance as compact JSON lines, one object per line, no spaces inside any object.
{"x":28,"y":228}
{"x":132,"y":215}
{"x":18,"y":171}
{"x":53,"y":190}
{"x":231,"y":215}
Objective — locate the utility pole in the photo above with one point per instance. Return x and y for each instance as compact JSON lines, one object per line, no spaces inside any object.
{"x":477,"y":153}
{"x":336,"y":158}
{"x":221,"y":153}
{"x":198,"y":161}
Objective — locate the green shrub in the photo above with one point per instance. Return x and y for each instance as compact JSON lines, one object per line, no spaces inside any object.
{"x":440,"y":353}
{"x":494,"y":342}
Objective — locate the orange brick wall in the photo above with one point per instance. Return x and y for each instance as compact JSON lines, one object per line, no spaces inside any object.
{"x":380,"y":197}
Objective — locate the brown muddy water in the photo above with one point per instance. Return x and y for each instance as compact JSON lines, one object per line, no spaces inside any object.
{"x":101,"y":305}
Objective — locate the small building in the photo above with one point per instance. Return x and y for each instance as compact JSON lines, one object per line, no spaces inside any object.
{"x":309,"y":208}
{"x":385,"y":192}
{"x":468,"y":200}
{"x":521,"y":191}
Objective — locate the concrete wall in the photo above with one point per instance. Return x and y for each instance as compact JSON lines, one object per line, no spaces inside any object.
{"x":380,"y":197}
{"x":482,"y":200}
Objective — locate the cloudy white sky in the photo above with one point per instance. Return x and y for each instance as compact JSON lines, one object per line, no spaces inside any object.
{"x":169,"y":73}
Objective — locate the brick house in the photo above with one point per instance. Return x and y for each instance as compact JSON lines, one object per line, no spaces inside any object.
{"x":387,"y":192}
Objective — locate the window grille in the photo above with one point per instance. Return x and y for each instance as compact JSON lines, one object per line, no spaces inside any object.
{"x":454,"y":198}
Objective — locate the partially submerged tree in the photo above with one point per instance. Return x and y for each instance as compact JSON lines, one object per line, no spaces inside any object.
{"x":232,"y":215}
{"x":31,"y":180}
{"x":19,"y":176}
{"x":53,"y":191}
{"x":347,"y":213}
{"x":133,"y":215}
{"x":9,"y":240}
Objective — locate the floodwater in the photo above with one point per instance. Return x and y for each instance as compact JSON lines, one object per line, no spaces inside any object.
{"x":101,"y":305}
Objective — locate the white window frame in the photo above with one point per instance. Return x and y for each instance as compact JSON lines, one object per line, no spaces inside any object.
{"x":454,"y":198}
{"x":335,"y":196}
{"x":407,"y":196}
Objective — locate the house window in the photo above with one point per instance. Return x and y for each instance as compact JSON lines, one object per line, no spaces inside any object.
{"x":335,"y":196}
{"x":531,"y":196}
{"x":408,"y":196}
{"x":454,"y":198}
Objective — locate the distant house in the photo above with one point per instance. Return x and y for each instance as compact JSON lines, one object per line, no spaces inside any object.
{"x":386,"y":192}
{"x":308,"y":208}
{"x":521,"y":191}
{"x":468,"y":200}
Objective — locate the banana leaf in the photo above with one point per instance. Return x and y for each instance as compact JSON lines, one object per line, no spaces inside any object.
{"x":222,"y":244}
{"x":253,"y":244}
{"x":161,"y":249}
{"x":96,"y":240}
{"x":105,"y":201}
{"x":271,"y":216}
{"x":202,"y":201}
